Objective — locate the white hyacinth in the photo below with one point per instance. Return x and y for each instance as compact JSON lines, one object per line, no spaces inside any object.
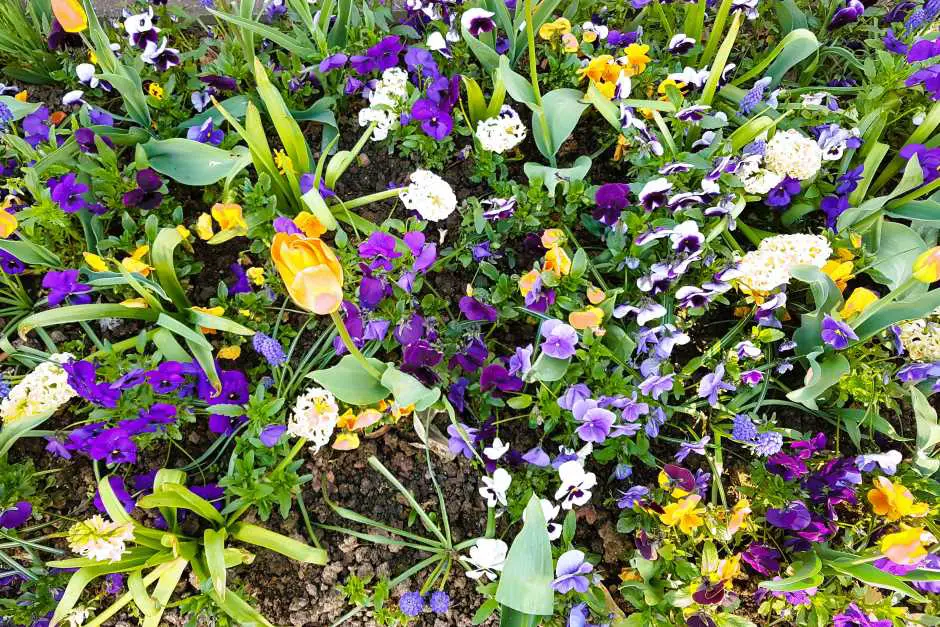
{"x":314,"y":417}
{"x":100,"y":539}
{"x":769,"y":266}
{"x":43,"y":390}
{"x":385,"y":102}
{"x":501,"y":133}
{"x":921,"y":339}
{"x":789,"y":153}
{"x":429,"y":195}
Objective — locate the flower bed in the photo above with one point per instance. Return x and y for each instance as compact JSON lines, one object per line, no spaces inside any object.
{"x":458,"y":313}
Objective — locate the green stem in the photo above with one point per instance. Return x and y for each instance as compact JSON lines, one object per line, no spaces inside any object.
{"x":351,"y":347}
{"x":534,"y":77}
{"x":371,"y":198}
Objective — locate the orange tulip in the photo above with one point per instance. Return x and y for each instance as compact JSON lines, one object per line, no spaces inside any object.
{"x":70,"y":15}
{"x":310,"y":270}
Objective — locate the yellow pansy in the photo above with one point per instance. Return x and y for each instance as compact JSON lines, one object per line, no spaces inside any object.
{"x":347,"y":420}
{"x":256,"y":276}
{"x":229,"y":216}
{"x":906,"y":546}
{"x":22,"y":96}
{"x":135,"y":303}
{"x":589,"y":318}
{"x":155,"y":90}
{"x":346,"y":441}
{"x":685,"y":513}
{"x":552,"y":238}
{"x":204,"y":226}
{"x":840,"y":272}
{"x":597,"y":68}
{"x":557,"y":261}
{"x":927,"y":266}
{"x":8,"y":223}
{"x":134,"y":263}
{"x":309,"y":224}
{"x":551,"y":29}
{"x":569,"y":43}
{"x":528,"y":281}
{"x":229,"y":352}
{"x":893,"y":500}
{"x":95,"y":262}
{"x":595,"y":296}
{"x":739,"y":515}
{"x":283,"y":162}
{"x":183,"y":231}
{"x":636,"y":58}
{"x":860,"y":299}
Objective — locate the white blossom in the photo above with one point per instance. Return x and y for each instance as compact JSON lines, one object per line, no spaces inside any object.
{"x":495,"y":487}
{"x":487,"y":558}
{"x":769,"y":266}
{"x":314,"y":417}
{"x":576,"y":484}
{"x":386,"y":100}
{"x":496,"y":450}
{"x":502,"y":132}
{"x":44,"y":390}
{"x":100,"y":539}
{"x":790,"y":153}
{"x":429,"y":195}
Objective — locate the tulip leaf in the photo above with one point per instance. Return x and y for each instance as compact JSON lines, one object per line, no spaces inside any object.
{"x":236,"y":107}
{"x":407,"y":390}
{"x":928,"y":434}
{"x":294,"y":549}
{"x":18,"y":108}
{"x":525,"y":584}
{"x":562,"y":109}
{"x":193,"y":163}
{"x":826,"y":297}
{"x":879,"y":317}
{"x":350,"y":383}
{"x":551,"y":176}
{"x":805,"y":575}
{"x":823,"y":375}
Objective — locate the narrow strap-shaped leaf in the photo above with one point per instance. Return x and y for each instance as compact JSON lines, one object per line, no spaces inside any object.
{"x":294,"y":549}
{"x":175,"y":495}
{"x":164,"y":590}
{"x":142,"y":599}
{"x":162,"y":256}
{"x":214,"y":547}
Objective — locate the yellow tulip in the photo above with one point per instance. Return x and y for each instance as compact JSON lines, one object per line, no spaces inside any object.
{"x":229,"y":216}
{"x":860,"y":299}
{"x":95,"y":262}
{"x":8,"y":223}
{"x":927,"y":266}
{"x":906,"y":546}
{"x":684,"y":513}
{"x":70,"y":15}
{"x":893,"y":500}
{"x":310,"y":270}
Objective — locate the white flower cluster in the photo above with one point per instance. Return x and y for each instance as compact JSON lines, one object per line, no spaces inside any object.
{"x":385,"y":102}
{"x":99,"y":539}
{"x":769,"y":266}
{"x":45,"y":389}
{"x":790,"y":153}
{"x":921,"y":339}
{"x":314,"y":417}
{"x":501,"y":133}
{"x":429,"y":195}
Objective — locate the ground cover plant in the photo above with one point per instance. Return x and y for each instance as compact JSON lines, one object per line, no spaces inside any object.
{"x":442,"y":312}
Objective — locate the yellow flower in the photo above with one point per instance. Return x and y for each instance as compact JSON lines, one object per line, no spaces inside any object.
{"x":663,"y":87}
{"x":309,"y":224}
{"x":684,"y":513}
{"x":527,"y":281}
{"x":347,"y":420}
{"x":135,"y":303}
{"x":839,"y":271}
{"x":858,"y":302}
{"x":310,"y":270}
{"x":569,"y":43}
{"x":589,"y":318}
{"x":742,"y":509}
{"x":666,"y":483}
{"x":844,"y":254}
{"x":70,"y":15}
{"x":256,"y":276}
{"x":893,"y":500}
{"x":558,"y":27}
{"x":283,"y":162}
{"x":92,"y":57}
{"x":155,"y":90}
{"x":95,"y":262}
{"x":557,"y":261}
{"x":552,"y":238}
{"x":597,"y":68}
{"x":367,"y":418}
{"x":204,"y":226}
{"x":212,"y":311}
{"x":183,"y":231}
{"x":927,"y":266}
{"x":595,"y":296}
{"x":134,"y":263}
{"x":22,"y":96}
{"x":229,"y":352}
{"x":906,"y":546}
{"x":346,"y":441}
{"x":229,"y":216}
{"x":636,"y":58}
{"x":8,"y":223}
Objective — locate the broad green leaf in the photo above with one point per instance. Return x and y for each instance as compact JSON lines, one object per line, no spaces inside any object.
{"x":509,"y":617}
{"x":162,"y":592}
{"x":235,"y":105}
{"x":317,"y":206}
{"x":18,"y":108}
{"x":721,"y":59}
{"x":111,"y":502}
{"x":350,"y":382}
{"x":193,"y":163}
{"x":547,"y":368}
{"x":407,"y":390}
{"x":164,"y":267}
{"x":291,"y":44}
{"x":31,"y":254}
{"x":562,"y":109}
{"x":792,"y":49}
{"x":880,"y":316}
{"x":294,"y":549}
{"x":826,"y":297}
{"x":518,"y":86}
{"x":551,"y":176}
{"x":525,"y":583}
{"x":874,"y":576}
{"x":805,"y":575}
{"x":484,"y":53}
{"x":898,"y":247}
{"x":924,"y":210}
{"x":823,"y":375}
{"x":71,"y":314}
{"x":287,"y":128}
{"x":180,"y":497}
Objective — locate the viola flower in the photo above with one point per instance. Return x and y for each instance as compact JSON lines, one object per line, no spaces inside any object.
{"x":476,"y":311}
{"x":655,"y":194}
{"x":929,"y":78}
{"x":595,"y":421}
{"x":611,"y":199}
{"x":712,"y":384}
{"x":380,"y":57}
{"x":147,"y":195}
{"x":886,"y":462}
{"x":16,"y":515}
{"x":570,"y":571}
{"x":794,"y":517}
{"x":685,"y":513}
{"x":687,"y":448}
{"x":460,"y":439}
{"x":855,"y":617}
{"x":632,"y":496}
{"x":496,"y":376}
{"x":487,"y":558}
{"x":894,"y":501}
{"x":535,"y":456}
{"x":494,"y":488}
{"x":561,"y":340}
{"x":782,"y":194}
{"x":36,"y":127}
{"x":477,"y":21}
{"x":836,"y":334}
{"x":576,"y":484}
{"x":205,"y":133}
{"x":63,"y":285}
{"x":67,"y":193}
{"x":848,"y":13}
{"x":160,"y":57}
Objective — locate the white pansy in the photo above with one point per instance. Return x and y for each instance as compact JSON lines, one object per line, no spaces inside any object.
{"x":549,"y":512}
{"x":576,"y":484}
{"x":140,"y":23}
{"x":790,"y":153}
{"x":495,"y":487}
{"x":41,"y":391}
{"x":314,"y":417}
{"x":502,"y":132}
{"x":487,"y":558}
{"x":100,"y":539}
{"x":496,"y":450}
{"x":429,"y":195}
{"x":86,"y":74}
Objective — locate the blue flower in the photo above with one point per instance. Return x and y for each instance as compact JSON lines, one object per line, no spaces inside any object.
{"x":836,"y":333}
{"x":411,"y":603}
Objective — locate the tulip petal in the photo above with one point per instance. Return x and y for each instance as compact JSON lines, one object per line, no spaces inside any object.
{"x":70,"y":15}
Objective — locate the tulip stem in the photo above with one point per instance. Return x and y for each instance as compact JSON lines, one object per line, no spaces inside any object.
{"x":351,"y":347}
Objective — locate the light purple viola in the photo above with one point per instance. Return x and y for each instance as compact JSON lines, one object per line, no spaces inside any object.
{"x":836,"y":333}
{"x":595,"y":421}
{"x":570,"y":572}
{"x":560,"y":339}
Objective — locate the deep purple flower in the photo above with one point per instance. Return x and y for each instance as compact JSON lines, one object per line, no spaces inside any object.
{"x":16,"y":515}
{"x":929,"y":159}
{"x":496,"y":376}
{"x":833,"y":207}
{"x":380,"y":247}
{"x":241,"y":285}
{"x":410,"y":330}
{"x":64,"y":285}
{"x":475,"y":310}
{"x":205,"y":133}
{"x":850,"y":12}
{"x":269,"y":348}
{"x":222,"y":83}
{"x":436,"y":122}
{"x":930,"y":79}
{"x":381,"y":56}
{"x":82,"y":378}
{"x":570,"y":571}
{"x":709,"y":593}
{"x":782,"y":194}
{"x":848,"y":182}
{"x":85,"y":138}
{"x":560,"y":340}
{"x":67,"y":193}
{"x":794,"y":517}
{"x":923,"y":49}
{"x":59,"y":38}
{"x":472,"y":357}
{"x":855,"y":617}
{"x":36,"y":126}
{"x":836,"y":333}
{"x":167,"y":377}
{"x":611,"y":199}
{"x":762,"y":558}
{"x":114,"y":446}
{"x":333,"y":62}
{"x":420,"y":62}
{"x":9,"y":264}
{"x":893,"y":44}
{"x":147,"y":195}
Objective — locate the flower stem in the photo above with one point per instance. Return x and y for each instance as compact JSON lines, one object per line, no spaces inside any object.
{"x":371,"y":198}
{"x":351,"y":347}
